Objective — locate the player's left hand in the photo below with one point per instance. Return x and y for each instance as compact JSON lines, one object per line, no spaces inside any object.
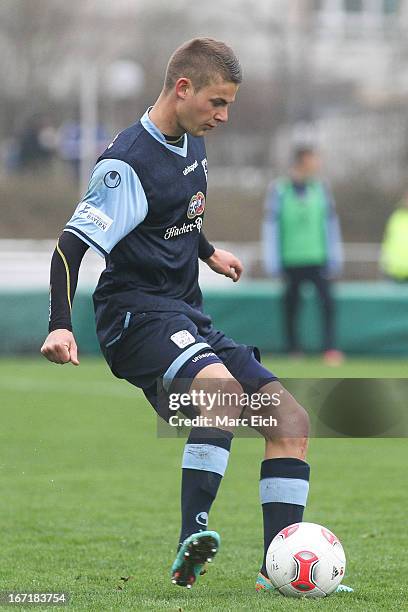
{"x":224,"y":262}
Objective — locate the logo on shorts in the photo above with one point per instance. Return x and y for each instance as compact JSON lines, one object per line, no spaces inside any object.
{"x":182,"y":338}
{"x":196,"y":205}
{"x":112,"y":179}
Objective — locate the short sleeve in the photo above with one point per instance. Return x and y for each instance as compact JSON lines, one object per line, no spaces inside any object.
{"x":114,"y":205}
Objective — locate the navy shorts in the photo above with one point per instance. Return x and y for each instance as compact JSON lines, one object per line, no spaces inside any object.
{"x":162,"y":347}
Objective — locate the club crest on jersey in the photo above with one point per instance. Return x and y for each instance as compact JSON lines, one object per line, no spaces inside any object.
{"x":196,"y":205}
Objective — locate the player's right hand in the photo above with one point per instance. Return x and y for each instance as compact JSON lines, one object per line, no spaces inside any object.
{"x":60,"y":347}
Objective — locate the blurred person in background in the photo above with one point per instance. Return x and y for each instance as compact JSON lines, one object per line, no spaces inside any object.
{"x":35,"y":145}
{"x":69,"y":143}
{"x":302,"y":243}
{"x":394,"y":247}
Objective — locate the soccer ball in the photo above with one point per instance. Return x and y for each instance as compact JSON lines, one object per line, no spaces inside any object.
{"x":305,"y":560}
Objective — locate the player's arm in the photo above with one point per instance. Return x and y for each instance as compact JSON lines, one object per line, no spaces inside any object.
{"x":113,"y":206}
{"x":271,"y":251}
{"x":60,"y":346}
{"x":205,"y":248}
{"x":222,"y":262}
{"x":335,"y":256}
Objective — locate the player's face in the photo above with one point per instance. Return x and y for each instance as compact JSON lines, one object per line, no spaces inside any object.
{"x":311,"y":165}
{"x":203,"y":110}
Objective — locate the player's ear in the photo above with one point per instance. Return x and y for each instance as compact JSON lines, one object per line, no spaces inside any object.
{"x":183,"y":87}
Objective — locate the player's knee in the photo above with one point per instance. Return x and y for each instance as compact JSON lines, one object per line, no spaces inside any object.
{"x":290,"y":437}
{"x":301,"y":421}
{"x":288,"y":423}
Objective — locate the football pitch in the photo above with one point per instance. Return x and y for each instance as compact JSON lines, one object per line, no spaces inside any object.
{"x":90,"y":498}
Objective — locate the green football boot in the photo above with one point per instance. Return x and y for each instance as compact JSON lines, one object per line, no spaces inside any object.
{"x":196,"y":550}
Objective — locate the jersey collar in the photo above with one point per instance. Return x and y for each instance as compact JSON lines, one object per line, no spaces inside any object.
{"x":154,"y":131}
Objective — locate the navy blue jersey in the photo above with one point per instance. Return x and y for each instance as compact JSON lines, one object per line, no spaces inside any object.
{"x":143,"y":212}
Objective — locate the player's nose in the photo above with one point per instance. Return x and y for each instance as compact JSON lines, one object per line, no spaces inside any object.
{"x":222,"y":115}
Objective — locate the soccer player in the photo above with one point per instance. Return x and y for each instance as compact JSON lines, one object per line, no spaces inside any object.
{"x":143,"y":212}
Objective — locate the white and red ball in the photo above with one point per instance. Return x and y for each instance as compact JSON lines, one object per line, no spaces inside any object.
{"x":305,"y":560}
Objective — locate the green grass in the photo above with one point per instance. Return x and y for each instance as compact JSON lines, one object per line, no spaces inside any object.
{"x":89,"y":495}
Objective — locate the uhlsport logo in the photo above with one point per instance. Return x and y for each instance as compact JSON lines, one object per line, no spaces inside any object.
{"x":112,"y":179}
{"x":202,"y":519}
{"x":191,"y":168}
{"x":196,"y":205}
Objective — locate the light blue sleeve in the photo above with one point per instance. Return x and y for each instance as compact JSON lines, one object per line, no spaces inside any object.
{"x":272,"y":260}
{"x":113,"y":206}
{"x":335,"y":256}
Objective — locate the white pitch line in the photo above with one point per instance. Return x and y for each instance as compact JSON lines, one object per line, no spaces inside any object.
{"x":74,"y":388}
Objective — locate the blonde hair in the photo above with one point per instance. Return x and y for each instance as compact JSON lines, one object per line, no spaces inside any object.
{"x":201,"y":60}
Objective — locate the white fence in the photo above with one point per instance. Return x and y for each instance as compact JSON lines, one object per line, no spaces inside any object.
{"x":24,"y":264}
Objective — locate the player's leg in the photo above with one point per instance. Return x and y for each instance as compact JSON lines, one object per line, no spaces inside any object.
{"x":284,"y":472}
{"x":204,"y":463}
{"x":284,"y":424}
{"x":291,"y":304}
{"x":317,"y":276}
{"x":322,"y":284}
{"x":284,"y":477}
{"x":163,"y":353}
